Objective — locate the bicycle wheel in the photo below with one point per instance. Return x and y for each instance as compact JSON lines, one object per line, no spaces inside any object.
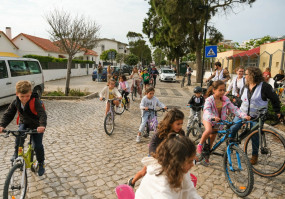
{"x":238,"y":171}
{"x":196,"y":132}
{"x":16,"y":182}
{"x":109,"y":124}
{"x":271,"y":153}
{"x":182,"y":83}
{"x":134,"y":94}
{"x":119,"y":109}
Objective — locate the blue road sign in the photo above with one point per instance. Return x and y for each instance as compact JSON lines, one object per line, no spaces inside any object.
{"x":211,"y":51}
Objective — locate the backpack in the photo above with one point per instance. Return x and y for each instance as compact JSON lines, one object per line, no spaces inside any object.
{"x":32,"y":108}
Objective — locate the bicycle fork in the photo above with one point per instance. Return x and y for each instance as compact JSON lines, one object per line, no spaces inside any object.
{"x":230,"y":158}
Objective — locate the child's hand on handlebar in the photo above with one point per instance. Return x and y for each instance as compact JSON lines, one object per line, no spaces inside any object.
{"x":216,"y":119}
{"x":101,"y":98}
{"x":146,"y":108}
{"x":247,"y":118}
{"x":1,"y":129}
{"x":41,"y":129}
{"x":165,"y":108}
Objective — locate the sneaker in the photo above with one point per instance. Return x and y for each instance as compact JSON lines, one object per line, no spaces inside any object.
{"x":41,"y":170}
{"x":130,"y":182}
{"x":254,"y":159}
{"x":138,"y":139}
{"x":205,"y":162}
{"x":14,"y":156}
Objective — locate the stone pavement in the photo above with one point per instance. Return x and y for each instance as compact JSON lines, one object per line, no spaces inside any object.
{"x":83,"y":162}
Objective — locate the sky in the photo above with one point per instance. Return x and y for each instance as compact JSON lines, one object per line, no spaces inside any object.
{"x":117,"y":17}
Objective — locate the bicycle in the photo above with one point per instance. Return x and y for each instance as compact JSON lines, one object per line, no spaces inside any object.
{"x":123,"y":105}
{"x":237,"y":168}
{"x":16,"y":182}
{"x":195,"y":128}
{"x":109,"y":121}
{"x":152,"y":123}
{"x":271,"y":150}
{"x":135,"y":90}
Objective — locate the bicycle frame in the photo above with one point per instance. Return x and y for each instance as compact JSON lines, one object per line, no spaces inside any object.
{"x":27,"y":157}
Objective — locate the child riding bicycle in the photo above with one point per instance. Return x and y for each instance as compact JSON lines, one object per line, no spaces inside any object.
{"x":124,"y":87}
{"x":195,"y":103}
{"x":27,"y":119}
{"x":215,"y":108}
{"x":149,"y":101}
{"x":110,"y":92}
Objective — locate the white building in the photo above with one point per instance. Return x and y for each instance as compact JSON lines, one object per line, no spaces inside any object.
{"x":107,"y":44}
{"x":6,"y":44}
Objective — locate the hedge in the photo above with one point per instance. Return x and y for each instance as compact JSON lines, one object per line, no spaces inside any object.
{"x":53,"y":59}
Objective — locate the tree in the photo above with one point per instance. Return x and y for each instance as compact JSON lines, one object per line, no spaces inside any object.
{"x":104,"y":56}
{"x":139,"y":47}
{"x":182,"y":22}
{"x":254,"y":43}
{"x":158,"y":55}
{"x":131,"y":59}
{"x":72,"y":35}
{"x":120,"y":57}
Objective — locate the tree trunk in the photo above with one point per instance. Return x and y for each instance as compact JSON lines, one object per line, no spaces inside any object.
{"x":177,"y":66}
{"x":69,"y":62}
{"x":199,"y":66}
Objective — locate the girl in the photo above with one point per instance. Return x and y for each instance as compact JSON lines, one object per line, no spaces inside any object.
{"x":168,"y":173}
{"x":110,"y":92}
{"x":172,"y":122}
{"x":136,"y":81}
{"x":215,"y":107}
{"x":124,"y":86}
{"x":148,"y":102}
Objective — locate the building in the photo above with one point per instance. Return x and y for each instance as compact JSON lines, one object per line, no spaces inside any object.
{"x":107,"y":44}
{"x":7,"y":47}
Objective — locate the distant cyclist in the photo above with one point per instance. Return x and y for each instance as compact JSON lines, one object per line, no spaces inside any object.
{"x":219,"y":74}
{"x":136,"y":80}
{"x":154,"y":73}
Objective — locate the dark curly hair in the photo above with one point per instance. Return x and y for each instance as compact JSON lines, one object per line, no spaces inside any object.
{"x":254,"y":75}
{"x":164,"y":127}
{"x":171,"y":155}
{"x":123,"y":77}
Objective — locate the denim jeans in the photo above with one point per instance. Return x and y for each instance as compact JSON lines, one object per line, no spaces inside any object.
{"x":99,"y":77}
{"x":37,"y":142}
{"x":144,"y":119}
{"x":254,"y":139}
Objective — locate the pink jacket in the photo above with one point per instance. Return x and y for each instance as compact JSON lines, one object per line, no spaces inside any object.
{"x":211,"y":111}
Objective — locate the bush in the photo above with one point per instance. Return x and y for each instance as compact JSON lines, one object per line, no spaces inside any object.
{"x":72,"y":92}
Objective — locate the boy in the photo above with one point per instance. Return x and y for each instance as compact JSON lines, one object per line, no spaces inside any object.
{"x":145,"y":77}
{"x":195,"y":103}
{"x":27,"y":120}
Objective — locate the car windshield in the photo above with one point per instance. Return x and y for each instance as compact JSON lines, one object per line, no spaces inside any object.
{"x":168,"y":71}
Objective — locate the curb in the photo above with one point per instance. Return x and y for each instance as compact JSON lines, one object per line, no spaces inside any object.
{"x":90,"y":96}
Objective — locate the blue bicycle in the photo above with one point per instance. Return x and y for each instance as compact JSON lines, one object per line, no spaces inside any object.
{"x":237,"y":168}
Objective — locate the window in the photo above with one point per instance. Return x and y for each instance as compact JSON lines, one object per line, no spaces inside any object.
{"x":3,"y":70}
{"x":102,"y":48}
{"x":34,"y":67}
{"x":277,"y":64}
{"x":18,"y":68}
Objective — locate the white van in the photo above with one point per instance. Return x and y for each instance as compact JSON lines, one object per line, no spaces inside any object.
{"x":14,"y":69}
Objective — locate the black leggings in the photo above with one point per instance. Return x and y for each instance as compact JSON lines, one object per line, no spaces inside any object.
{"x":125,"y":95}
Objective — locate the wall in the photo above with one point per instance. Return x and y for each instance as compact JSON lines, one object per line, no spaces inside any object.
{"x":6,"y":45}
{"x":266,"y":50}
{"x":222,"y":57}
{"x":61,"y":73}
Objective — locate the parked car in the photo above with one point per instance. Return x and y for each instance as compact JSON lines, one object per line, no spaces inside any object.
{"x":103,"y":76}
{"x":127,"y":69}
{"x":14,"y":69}
{"x":166,"y":74}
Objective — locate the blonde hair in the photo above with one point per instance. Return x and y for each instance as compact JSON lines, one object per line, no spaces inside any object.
{"x":23,"y":87}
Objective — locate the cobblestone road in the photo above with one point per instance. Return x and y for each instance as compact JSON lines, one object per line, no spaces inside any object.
{"x":83,"y":162}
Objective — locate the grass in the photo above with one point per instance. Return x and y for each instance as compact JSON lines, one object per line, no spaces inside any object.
{"x":72,"y":92}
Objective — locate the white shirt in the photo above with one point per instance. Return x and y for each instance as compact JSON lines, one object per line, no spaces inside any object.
{"x":239,"y":83}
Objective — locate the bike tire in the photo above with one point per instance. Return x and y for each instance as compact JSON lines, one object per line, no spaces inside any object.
{"x":109,"y":124}
{"x":196,"y":133}
{"x":271,"y":159}
{"x":243,"y":175}
{"x":12,"y":177}
{"x":119,"y":109}
{"x":134,"y":94}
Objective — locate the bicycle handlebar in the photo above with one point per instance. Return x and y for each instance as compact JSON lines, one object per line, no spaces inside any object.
{"x":19,"y":132}
{"x":161,"y":109}
{"x":195,"y":106}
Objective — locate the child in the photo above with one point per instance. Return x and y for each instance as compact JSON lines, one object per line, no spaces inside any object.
{"x":195,"y":103}
{"x":145,"y":77}
{"x":110,"y":92}
{"x":168,"y":173}
{"x":124,"y":86}
{"x":148,"y":102}
{"x":136,"y":81}
{"x":27,"y":120}
{"x":172,"y":122}
{"x":216,"y":107}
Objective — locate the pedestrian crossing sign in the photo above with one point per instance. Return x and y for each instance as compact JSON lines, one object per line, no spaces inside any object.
{"x":211,"y":51}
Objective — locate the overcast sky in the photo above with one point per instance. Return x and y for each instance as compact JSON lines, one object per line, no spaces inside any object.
{"x":117,"y":17}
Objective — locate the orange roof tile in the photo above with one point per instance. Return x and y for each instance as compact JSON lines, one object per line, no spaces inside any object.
{"x":45,"y":44}
{"x":9,"y":39}
{"x":91,"y":52}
